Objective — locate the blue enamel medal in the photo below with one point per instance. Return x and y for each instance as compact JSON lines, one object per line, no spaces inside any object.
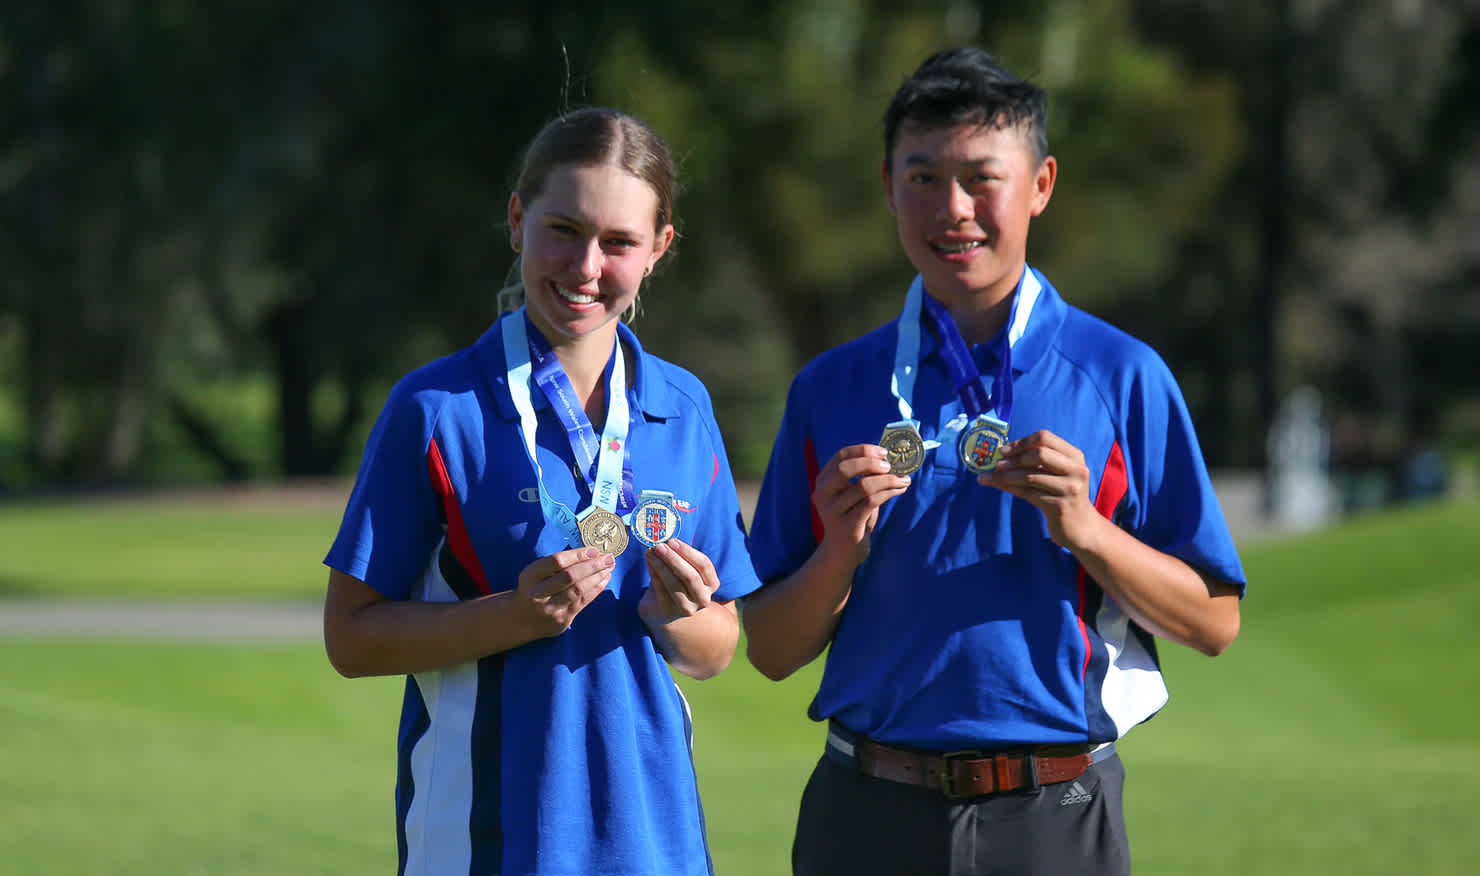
{"x":655,"y":519}
{"x":981,"y":443}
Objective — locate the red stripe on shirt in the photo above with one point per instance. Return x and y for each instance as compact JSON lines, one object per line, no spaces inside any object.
{"x":457,"y":531}
{"x":1113,"y":487}
{"x":810,"y":452}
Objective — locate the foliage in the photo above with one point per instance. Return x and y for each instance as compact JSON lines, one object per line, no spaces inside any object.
{"x":314,"y":195}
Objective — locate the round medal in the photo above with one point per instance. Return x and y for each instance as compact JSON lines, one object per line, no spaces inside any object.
{"x":655,"y":519}
{"x":905,"y":447}
{"x":981,"y":444}
{"x":604,"y":531}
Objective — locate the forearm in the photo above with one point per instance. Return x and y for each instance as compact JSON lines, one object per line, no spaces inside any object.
{"x":789,"y":622}
{"x":1160,"y":592}
{"x":700,"y":645}
{"x":394,"y":637}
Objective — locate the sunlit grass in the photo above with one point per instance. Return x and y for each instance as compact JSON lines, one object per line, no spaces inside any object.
{"x":1337,"y":736}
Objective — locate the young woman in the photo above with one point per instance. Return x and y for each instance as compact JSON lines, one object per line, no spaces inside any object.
{"x":542,"y":525}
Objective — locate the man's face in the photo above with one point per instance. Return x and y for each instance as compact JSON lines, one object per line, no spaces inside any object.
{"x":963,"y":197}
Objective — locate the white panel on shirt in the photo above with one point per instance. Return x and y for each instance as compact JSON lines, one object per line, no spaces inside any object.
{"x":437,"y":837}
{"x":1133,"y":689}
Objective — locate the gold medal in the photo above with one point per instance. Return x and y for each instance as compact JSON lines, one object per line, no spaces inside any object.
{"x":906,"y":449}
{"x":604,"y":531}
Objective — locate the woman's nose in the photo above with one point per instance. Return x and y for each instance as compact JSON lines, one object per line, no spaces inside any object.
{"x":589,"y":260}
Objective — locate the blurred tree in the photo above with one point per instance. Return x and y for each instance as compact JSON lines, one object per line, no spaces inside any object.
{"x":1348,"y":233}
{"x":317,"y":192}
{"x":783,"y":140}
{"x":104,"y":190}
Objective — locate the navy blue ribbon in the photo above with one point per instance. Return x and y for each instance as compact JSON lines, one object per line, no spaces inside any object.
{"x":975,"y":400}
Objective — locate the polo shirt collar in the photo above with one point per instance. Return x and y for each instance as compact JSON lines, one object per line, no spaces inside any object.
{"x":1043,"y":325}
{"x":649,"y":390}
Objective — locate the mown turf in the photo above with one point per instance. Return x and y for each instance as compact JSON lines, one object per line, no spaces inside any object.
{"x":219,"y":547}
{"x":1337,"y":736}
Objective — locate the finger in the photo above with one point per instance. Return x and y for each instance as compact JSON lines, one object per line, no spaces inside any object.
{"x":594,"y":564}
{"x":694,"y":569}
{"x":853,"y":461}
{"x":681,"y":579}
{"x":696,"y":559}
{"x":552,"y":564}
{"x":869,"y":493}
{"x":1041,"y":445}
{"x":664,"y":581}
{"x":869,"y":460}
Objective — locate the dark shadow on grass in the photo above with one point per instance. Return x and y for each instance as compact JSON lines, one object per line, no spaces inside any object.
{"x":12,"y":588}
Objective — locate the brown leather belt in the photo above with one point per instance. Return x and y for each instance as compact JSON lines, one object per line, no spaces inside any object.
{"x":968,"y":773}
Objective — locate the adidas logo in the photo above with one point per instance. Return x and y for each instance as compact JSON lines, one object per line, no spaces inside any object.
{"x":1076,"y":794}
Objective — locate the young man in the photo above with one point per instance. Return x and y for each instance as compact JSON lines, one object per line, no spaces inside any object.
{"x":986,"y":528}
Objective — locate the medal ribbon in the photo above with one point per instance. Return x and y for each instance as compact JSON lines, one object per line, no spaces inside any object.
{"x":609,"y":469}
{"x":974,"y":398}
{"x":555,"y":384}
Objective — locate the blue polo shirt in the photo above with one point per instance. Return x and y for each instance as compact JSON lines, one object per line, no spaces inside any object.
{"x":967,"y":627}
{"x":569,"y":755}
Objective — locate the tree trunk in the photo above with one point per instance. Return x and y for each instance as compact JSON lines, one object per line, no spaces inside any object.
{"x":296,"y":377}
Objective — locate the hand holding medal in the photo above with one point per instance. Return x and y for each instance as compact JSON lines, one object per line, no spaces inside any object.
{"x":683,"y":582}
{"x":1049,"y":473}
{"x":557,"y":587}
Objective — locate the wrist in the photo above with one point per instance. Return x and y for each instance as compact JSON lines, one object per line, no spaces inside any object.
{"x":833,"y":558}
{"x":1089,"y":540}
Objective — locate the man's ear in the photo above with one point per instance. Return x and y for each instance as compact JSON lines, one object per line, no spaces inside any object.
{"x":1048,"y":173}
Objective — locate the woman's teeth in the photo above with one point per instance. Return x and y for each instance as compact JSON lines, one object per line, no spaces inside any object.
{"x":958,"y":248}
{"x":575,"y":297}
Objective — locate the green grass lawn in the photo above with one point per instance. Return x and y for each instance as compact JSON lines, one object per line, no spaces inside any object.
{"x":168,"y":547}
{"x":1337,"y":736}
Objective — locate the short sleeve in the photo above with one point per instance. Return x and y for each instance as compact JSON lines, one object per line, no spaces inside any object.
{"x":392,"y":522}
{"x":1178,"y":509}
{"x":783,"y":533}
{"x":721,"y":527}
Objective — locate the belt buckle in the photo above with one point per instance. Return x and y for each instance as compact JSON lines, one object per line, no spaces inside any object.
{"x":1030,"y":771}
{"x":948,"y":778}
